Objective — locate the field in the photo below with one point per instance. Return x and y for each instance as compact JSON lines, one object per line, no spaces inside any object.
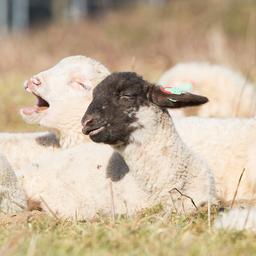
{"x":148,"y":41}
{"x":146,"y":234}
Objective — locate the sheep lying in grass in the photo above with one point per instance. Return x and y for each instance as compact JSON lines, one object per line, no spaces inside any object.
{"x":228,"y":146}
{"x":230,"y":93}
{"x":12,"y":196}
{"x":129,"y":114}
{"x":58,"y":91}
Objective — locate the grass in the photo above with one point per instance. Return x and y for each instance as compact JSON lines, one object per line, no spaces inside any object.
{"x":145,"y":234}
{"x":148,"y":41}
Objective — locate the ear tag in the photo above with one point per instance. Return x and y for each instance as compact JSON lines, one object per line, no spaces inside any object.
{"x":177,"y":89}
{"x":165,"y":90}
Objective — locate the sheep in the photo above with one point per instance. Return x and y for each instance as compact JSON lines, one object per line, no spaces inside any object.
{"x":228,"y":146}
{"x":58,"y":91}
{"x":129,"y":114}
{"x":12,"y":196}
{"x":230,"y":93}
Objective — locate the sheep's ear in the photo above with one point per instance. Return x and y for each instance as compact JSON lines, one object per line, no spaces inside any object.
{"x":165,"y":98}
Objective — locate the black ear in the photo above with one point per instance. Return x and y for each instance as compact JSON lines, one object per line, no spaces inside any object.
{"x":159,"y":96}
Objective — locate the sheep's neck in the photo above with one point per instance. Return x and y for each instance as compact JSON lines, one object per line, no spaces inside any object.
{"x":69,"y":131}
{"x":157,"y":157}
{"x":71,"y":139}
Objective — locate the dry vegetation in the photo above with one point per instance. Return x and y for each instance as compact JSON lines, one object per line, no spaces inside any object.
{"x":148,"y":233}
{"x":148,"y":41}
{"x":143,"y":39}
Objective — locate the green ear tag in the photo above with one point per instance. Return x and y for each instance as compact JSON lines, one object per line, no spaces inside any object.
{"x":178,"y":88}
{"x":181,"y":88}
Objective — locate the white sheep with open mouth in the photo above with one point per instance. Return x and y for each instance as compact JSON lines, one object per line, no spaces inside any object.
{"x":60,"y":92}
{"x":230,"y":93}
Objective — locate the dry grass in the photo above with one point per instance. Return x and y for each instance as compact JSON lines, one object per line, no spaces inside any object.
{"x":143,"y":39}
{"x":147,"y":233}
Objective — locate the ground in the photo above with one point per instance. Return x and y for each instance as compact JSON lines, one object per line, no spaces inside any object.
{"x":148,"y":41}
{"x":148,"y":233}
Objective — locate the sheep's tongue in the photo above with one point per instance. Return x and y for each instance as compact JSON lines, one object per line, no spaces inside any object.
{"x":32,"y":110}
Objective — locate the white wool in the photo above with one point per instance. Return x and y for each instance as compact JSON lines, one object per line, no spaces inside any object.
{"x":229,"y":146}
{"x":23,"y":148}
{"x":230,"y":93}
{"x":237,"y":220}
{"x":161,"y":162}
{"x":72,"y":184}
{"x":12,"y":196}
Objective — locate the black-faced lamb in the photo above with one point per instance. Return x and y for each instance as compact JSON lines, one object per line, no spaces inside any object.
{"x":129,"y":114}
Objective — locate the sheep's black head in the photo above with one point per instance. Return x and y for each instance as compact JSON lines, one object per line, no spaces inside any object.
{"x":116,"y":100}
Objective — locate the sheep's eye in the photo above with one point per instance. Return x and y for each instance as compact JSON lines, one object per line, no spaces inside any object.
{"x":86,"y":87}
{"x":125,"y":97}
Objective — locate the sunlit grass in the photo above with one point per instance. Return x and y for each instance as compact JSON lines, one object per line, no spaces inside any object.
{"x":145,"y":234}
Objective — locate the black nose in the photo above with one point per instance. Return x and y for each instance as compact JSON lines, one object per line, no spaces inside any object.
{"x":87,"y":119}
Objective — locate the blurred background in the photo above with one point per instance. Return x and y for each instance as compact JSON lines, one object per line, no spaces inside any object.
{"x":146,"y":36}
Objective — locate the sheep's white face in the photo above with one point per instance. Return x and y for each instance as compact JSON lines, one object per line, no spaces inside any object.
{"x":61,"y":90}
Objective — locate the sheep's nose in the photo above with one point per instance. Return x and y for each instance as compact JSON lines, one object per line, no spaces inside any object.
{"x":33,"y":82}
{"x":36,"y":80}
{"x":86,"y":120}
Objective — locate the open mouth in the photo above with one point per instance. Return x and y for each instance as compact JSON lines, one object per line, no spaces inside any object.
{"x":93,"y":130}
{"x":40,"y":106}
